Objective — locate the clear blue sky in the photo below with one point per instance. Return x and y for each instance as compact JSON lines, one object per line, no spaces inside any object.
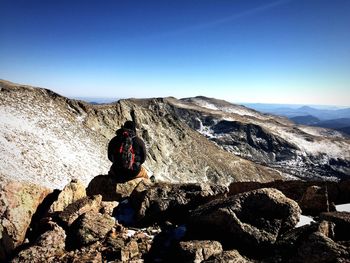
{"x":294,"y":51}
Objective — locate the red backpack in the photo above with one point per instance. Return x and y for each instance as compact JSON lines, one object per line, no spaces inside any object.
{"x":125,"y":152}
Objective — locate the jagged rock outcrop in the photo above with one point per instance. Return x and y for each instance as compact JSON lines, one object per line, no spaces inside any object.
{"x":18,"y":203}
{"x":164,"y":201}
{"x":254,"y":219}
{"x":72,"y":192}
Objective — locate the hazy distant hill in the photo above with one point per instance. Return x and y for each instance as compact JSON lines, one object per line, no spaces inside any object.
{"x":337,"y":124}
{"x":305,"y":120}
{"x":291,"y":111}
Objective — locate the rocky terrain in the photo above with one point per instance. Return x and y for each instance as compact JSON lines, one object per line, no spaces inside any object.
{"x":49,"y":139}
{"x":174,"y":222}
{"x":223,"y":190}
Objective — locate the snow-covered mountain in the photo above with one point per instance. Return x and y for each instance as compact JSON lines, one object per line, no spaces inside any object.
{"x":49,"y":139}
{"x":301,"y":151}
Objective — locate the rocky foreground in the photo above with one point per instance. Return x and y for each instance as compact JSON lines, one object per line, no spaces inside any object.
{"x":139,"y":221}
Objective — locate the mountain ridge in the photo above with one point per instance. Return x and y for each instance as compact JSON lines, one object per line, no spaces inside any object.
{"x":254,"y":147}
{"x":56,"y":130}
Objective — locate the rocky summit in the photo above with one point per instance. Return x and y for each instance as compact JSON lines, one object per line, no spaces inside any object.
{"x":231,"y":184}
{"x":169,"y":222}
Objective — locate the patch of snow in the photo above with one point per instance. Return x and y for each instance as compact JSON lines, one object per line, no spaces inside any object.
{"x":333,"y":149}
{"x":304,"y":220}
{"x":206,"y":105}
{"x":205,"y":130}
{"x":321,"y":132}
{"x":242,"y":111}
{"x":46,"y":149}
{"x":343,"y":208}
{"x":130,"y":232}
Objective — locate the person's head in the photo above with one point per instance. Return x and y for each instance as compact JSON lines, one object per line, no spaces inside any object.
{"x":130,"y":125}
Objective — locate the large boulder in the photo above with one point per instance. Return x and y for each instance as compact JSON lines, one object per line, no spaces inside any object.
{"x":76,"y":209}
{"x":50,"y":245}
{"x":111,"y":189}
{"x":72,"y":192}
{"x":253,"y":219}
{"x":91,"y":227}
{"x":18,"y":203}
{"x":198,"y":250}
{"x":165,"y":201}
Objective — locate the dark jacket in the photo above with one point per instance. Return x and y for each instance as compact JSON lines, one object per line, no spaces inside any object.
{"x":139,"y":149}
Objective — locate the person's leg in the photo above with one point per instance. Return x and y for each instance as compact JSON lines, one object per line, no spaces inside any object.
{"x":142,"y":173}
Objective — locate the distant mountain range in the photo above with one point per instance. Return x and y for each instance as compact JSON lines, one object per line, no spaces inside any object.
{"x":326,"y":117}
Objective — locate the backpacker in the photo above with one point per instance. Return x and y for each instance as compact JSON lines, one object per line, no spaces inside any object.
{"x":125,"y":152}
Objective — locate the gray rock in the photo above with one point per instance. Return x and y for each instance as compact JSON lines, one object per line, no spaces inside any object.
{"x":253,"y":219}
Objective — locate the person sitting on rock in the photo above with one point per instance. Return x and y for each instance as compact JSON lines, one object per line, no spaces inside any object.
{"x":127,"y":152}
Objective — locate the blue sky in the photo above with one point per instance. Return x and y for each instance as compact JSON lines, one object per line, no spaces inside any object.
{"x":288,"y":51}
